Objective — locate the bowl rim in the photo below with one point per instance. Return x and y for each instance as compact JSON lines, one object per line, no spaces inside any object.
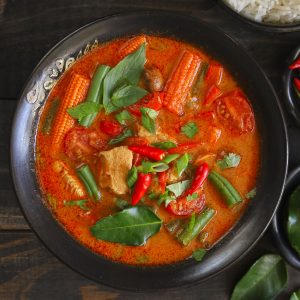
{"x":269,"y":27}
{"x":170,"y":268}
{"x":278,"y":231}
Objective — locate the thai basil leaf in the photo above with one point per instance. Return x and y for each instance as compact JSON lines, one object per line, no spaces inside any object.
{"x":79,"y":203}
{"x":121,"y":203}
{"x":293,"y":221}
{"x":190,"y":129}
{"x":164,"y":145}
{"x":126,"y":133}
{"x":230,"y":160}
{"x":132,"y":226}
{"x":148,"y":119}
{"x":264,"y":280}
{"x":251,"y":194}
{"x":169,"y":158}
{"x":182,"y":163}
{"x":124,"y":116}
{"x":127,"y":95}
{"x":199,"y":254}
{"x":295,"y":295}
{"x":132,"y":176}
{"x":129,"y":70}
{"x":153,"y":167}
{"x":84,"y":109}
{"x":179,"y":187}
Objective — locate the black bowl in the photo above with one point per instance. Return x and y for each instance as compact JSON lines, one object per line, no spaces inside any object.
{"x":274,"y":152}
{"x":291,"y":98}
{"x":280,"y":218}
{"x":280,"y":28}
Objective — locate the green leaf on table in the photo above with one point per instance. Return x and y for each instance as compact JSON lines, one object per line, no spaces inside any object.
{"x":124,"y":135}
{"x":124,"y":116}
{"x":128,"y":70}
{"x":199,"y":254}
{"x":179,"y":187}
{"x":192,"y":197}
{"x":182,"y":163}
{"x":251,"y":194}
{"x":79,"y":203}
{"x":164,"y":145}
{"x":230,"y":160}
{"x":190,"y":129}
{"x":295,"y":295}
{"x":293,"y":221}
{"x":84,"y":109}
{"x":264,"y":280}
{"x":132,"y":226}
{"x":132,"y":176}
{"x":148,"y":119}
{"x":127,"y":95}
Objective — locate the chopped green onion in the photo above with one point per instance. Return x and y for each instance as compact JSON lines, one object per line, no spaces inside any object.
{"x":182,"y":163}
{"x":169,"y":158}
{"x":164,"y":145}
{"x":132,"y":176}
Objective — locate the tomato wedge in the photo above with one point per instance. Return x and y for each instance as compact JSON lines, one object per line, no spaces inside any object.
{"x":214,"y":74}
{"x":183,"y":207}
{"x":234,"y":112}
{"x":111,"y":128}
{"x":81,"y":142}
{"x":212,"y":94}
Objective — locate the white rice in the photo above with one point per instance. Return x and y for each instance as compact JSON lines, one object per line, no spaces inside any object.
{"x":268,"y":11}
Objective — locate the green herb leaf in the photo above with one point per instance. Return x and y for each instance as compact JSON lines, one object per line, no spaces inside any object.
{"x":251,"y":194}
{"x":148,"y":119}
{"x":126,"y":133}
{"x":127,"y":95}
{"x":132,"y":226}
{"x":264,"y":280}
{"x":293,"y":221}
{"x":199,"y":254}
{"x":121,"y":203}
{"x":179,"y":187}
{"x":153,"y":167}
{"x":84,"y":109}
{"x":129,"y":70}
{"x":182,"y":163}
{"x":132,"y":176}
{"x":295,"y":295}
{"x":164,"y":145}
{"x":230,"y":160}
{"x":190,"y":129}
{"x":169,"y":158}
{"x":166,"y":198}
{"x":192,"y":197}
{"x":124,"y":116}
{"x":79,"y":203}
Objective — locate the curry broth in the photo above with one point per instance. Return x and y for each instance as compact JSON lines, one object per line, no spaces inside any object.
{"x":161,"y":248}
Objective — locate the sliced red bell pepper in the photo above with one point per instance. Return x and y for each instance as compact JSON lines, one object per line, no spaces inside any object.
{"x":212,"y":94}
{"x":140,"y":188}
{"x":295,"y":64}
{"x":148,"y":151}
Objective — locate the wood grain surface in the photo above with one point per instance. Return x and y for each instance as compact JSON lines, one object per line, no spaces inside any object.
{"x":28,"y":29}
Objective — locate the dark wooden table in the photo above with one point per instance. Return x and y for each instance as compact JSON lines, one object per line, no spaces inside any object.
{"x":28,"y":29}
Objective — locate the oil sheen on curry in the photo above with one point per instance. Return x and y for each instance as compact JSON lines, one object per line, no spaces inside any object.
{"x":147,"y":151}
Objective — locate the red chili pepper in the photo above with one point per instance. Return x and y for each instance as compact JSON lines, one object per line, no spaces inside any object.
{"x":295,"y":64}
{"x":207,"y":115}
{"x":110,"y":127}
{"x":200,"y":176}
{"x":148,"y":151}
{"x":214,"y":74}
{"x":183,"y":148}
{"x":297,"y":84}
{"x":140,"y":188}
{"x":137,"y":159}
{"x":162,"y":180}
{"x":211,"y":95}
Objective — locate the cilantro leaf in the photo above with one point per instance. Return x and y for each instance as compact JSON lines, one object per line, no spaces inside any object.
{"x":192,"y":197}
{"x":190,"y":129}
{"x":166,"y":198}
{"x":230,"y":160}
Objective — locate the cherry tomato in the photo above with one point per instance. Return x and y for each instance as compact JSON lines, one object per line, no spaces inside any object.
{"x":81,"y":142}
{"x":234,"y":111}
{"x":183,"y":207}
{"x":110,"y":127}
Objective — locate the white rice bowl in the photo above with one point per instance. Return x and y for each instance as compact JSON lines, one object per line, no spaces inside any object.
{"x":268,"y":11}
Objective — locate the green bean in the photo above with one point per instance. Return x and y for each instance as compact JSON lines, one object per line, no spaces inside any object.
{"x":50,"y":116}
{"x":95,"y":93}
{"x":225,"y":188}
{"x":188,"y":234}
{"x":86,"y":176}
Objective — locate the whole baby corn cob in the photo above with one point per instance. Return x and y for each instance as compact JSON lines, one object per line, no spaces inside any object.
{"x":71,"y":182}
{"x":75,"y":93}
{"x":131,"y":45}
{"x":180,"y":82}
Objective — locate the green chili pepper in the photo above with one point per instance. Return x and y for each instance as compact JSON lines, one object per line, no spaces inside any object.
{"x":225,"y":188}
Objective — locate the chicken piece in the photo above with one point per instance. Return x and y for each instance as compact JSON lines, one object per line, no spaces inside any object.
{"x":152,"y":138}
{"x":114,"y":167}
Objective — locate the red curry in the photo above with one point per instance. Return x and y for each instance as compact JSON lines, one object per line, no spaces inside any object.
{"x":147,"y":150}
